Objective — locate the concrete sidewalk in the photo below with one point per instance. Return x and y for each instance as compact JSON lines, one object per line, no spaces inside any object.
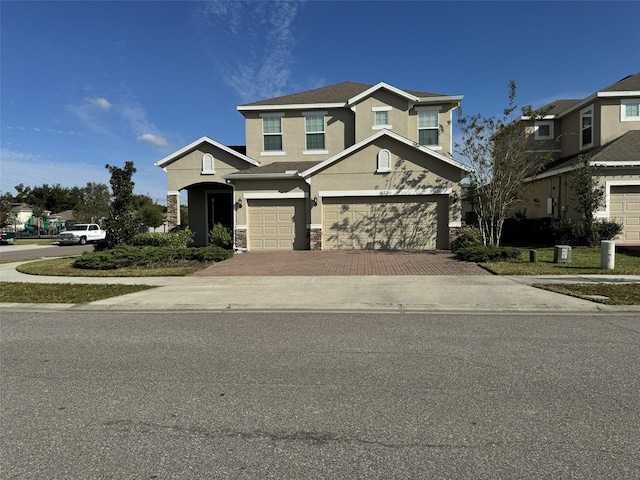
{"x":406,"y":293}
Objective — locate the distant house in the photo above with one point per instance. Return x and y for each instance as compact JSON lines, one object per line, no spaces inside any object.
{"x":605,"y":128}
{"x":348,"y":166}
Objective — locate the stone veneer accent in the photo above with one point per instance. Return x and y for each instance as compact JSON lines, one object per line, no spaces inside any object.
{"x":173,"y":210}
{"x":454,"y":232}
{"x":315,"y":239}
{"x":241,"y":239}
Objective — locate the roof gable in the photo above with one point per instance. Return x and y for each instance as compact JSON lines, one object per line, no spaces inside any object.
{"x":345,"y":153}
{"x":202,"y":140}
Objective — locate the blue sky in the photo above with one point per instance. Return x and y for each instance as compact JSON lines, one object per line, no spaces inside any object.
{"x":86,"y":83}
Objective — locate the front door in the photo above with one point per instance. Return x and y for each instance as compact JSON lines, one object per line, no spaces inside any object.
{"x":220,"y":209}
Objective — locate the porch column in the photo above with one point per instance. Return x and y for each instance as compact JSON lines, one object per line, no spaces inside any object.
{"x":173,"y":210}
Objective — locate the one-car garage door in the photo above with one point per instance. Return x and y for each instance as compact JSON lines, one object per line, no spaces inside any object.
{"x":398,"y":223}
{"x":625,"y":207}
{"x":277,"y":224}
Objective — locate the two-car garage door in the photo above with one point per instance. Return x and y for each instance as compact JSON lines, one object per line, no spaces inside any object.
{"x":277,"y":224}
{"x":625,"y":208}
{"x":402,"y":223}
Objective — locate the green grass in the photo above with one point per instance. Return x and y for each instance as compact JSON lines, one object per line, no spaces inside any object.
{"x":61,"y":267}
{"x":609,"y":294}
{"x":16,"y":292}
{"x":584,"y":261}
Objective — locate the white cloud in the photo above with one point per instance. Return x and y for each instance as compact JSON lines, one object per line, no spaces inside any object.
{"x":101,"y":103}
{"x":254,"y":44}
{"x":154,"y":140}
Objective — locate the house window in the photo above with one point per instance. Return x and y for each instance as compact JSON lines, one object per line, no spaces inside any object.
{"x":207,"y":164}
{"x":272,"y":133}
{"x":630,"y":110}
{"x":586,"y":128}
{"x":314,"y":131}
{"x":381,"y":118}
{"x":543,"y":130}
{"x":384,"y":161}
{"x":428,"y":127}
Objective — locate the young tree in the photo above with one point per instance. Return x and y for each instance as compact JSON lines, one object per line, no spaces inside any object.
{"x":120,"y":224}
{"x":588,"y":195}
{"x":499,"y":154}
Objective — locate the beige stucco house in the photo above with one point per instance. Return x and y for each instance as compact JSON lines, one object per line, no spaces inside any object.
{"x":605,"y":128}
{"x":348,"y":166}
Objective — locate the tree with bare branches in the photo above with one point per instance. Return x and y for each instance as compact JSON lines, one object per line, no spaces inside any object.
{"x":498,"y":150}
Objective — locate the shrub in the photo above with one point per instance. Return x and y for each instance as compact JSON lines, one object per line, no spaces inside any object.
{"x":125,"y":256}
{"x":482,"y":253}
{"x":467,"y":237}
{"x":575,"y":232}
{"x":176,"y":239}
{"x":220,"y":236}
{"x":607,"y":229}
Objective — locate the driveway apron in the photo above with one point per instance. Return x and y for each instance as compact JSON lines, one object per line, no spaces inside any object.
{"x":341,"y":263}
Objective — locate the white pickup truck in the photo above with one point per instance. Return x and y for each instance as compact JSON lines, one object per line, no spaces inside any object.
{"x":82,"y":233}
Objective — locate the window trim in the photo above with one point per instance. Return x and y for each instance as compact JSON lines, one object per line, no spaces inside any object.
{"x":586,"y":112}
{"x":623,"y":110}
{"x":315,"y":151}
{"x":381,"y":126}
{"x":536,"y":127}
{"x":279,"y":115}
{"x":436,"y":128}
{"x":208,"y":169}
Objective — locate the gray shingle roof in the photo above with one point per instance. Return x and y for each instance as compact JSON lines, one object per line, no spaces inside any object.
{"x":623,"y":149}
{"x":558,"y":106}
{"x":627,"y":84}
{"x":338,"y":93}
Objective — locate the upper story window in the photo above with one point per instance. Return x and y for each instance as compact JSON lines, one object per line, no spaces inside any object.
{"x":586,"y":127}
{"x":272,"y":132}
{"x":428,"y":125}
{"x":314,"y":131}
{"x":543,"y":130}
{"x":207,"y":164}
{"x":630,"y":110}
{"x":381,"y":118}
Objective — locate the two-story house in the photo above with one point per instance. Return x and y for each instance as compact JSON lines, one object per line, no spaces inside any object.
{"x":605,"y":128}
{"x":344,"y":166}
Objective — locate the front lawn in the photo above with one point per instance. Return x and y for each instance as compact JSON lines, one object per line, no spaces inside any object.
{"x":17,"y":292}
{"x":584,"y":261}
{"x":63,"y":267}
{"x":609,"y":294}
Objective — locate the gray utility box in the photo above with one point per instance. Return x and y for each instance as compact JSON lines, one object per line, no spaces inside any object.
{"x":562,"y":254}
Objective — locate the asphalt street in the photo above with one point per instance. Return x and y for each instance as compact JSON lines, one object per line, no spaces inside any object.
{"x":319,"y":395}
{"x":28,"y":252}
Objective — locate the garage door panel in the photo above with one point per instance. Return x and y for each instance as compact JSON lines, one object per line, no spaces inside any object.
{"x":402,"y":223}
{"x":276,"y":224}
{"x":624,"y":207}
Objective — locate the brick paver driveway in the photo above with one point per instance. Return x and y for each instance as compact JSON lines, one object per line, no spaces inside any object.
{"x":342,"y":262}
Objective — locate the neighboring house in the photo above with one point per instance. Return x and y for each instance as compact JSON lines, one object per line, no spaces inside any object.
{"x":605,"y":128}
{"x":344,"y":166}
{"x":23,"y":218}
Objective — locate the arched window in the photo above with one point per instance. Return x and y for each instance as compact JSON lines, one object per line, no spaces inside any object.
{"x":207,"y":164}
{"x":384,"y":161}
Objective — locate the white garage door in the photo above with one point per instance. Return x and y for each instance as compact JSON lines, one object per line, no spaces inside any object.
{"x":398,"y":223}
{"x":624,"y":207}
{"x":277,"y":225}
